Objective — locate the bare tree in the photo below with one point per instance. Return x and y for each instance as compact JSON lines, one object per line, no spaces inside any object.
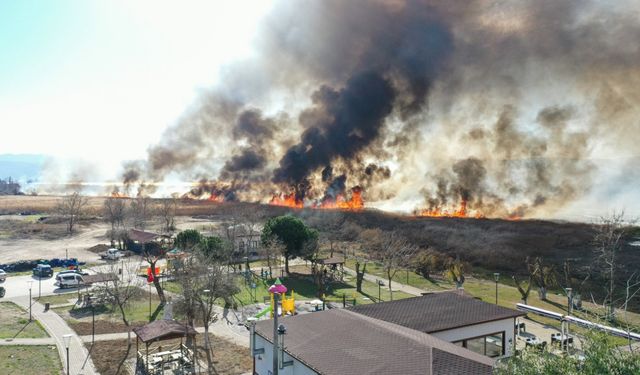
{"x":167,"y":212}
{"x":521,"y":285}
{"x":543,"y":276}
{"x":631,"y":290}
{"x":361,"y":267}
{"x":141,"y":211}
{"x":394,"y":252}
{"x":455,"y":270}
{"x":71,"y":208}
{"x":204,"y":282}
{"x":152,"y":256}
{"x":114,"y":212}
{"x":119,"y":291}
{"x":273,"y":250}
{"x":608,"y":241}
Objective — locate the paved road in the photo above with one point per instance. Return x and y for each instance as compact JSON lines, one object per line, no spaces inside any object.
{"x":25,"y":341}
{"x":395,"y":286}
{"x":79,"y":361}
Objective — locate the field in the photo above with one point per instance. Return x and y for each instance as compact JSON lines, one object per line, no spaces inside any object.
{"x":41,"y":360}
{"x":15,"y":323}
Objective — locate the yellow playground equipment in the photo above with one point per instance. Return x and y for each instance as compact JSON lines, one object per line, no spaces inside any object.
{"x":288,"y":304}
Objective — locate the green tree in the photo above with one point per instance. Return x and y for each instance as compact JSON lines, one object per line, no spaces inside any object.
{"x":600,"y":357}
{"x":293,"y":234}
{"x":214,"y":247}
{"x":188,"y":239}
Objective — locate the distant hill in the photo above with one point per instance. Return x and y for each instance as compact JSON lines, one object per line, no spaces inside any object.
{"x":21,"y":167}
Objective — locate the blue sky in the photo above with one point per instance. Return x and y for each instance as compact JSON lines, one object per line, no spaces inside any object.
{"x":75,"y":76}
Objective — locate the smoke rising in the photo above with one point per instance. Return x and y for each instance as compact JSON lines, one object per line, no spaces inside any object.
{"x":501,"y":105}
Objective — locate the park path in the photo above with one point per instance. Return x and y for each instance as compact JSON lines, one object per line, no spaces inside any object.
{"x":396,"y":286}
{"x":79,"y":361}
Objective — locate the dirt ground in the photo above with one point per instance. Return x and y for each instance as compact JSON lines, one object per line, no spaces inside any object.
{"x":228,"y":358}
{"x":24,"y":237}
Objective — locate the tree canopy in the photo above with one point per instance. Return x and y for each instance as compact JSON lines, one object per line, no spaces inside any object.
{"x":292,"y":233}
{"x":188,"y":239}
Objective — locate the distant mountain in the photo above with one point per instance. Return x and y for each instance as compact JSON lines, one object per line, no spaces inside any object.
{"x":21,"y":167}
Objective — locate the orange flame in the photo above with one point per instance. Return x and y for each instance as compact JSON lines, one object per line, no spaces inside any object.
{"x":117,"y":194}
{"x":218,"y":198}
{"x":443,"y":212}
{"x":286,"y":200}
{"x":355,"y":203}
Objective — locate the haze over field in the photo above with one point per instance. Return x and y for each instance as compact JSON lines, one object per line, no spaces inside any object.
{"x":501,"y":109}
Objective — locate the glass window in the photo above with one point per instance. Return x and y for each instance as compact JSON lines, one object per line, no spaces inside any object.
{"x":459,"y":343}
{"x":494,"y":345}
{"x":476,"y":345}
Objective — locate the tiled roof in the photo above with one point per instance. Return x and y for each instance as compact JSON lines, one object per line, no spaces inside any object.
{"x":437,"y":312}
{"x":163,"y":330}
{"x":342,"y":342}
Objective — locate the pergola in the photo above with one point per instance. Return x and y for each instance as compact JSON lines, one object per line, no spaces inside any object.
{"x":334,"y":262}
{"x":162,"y":330}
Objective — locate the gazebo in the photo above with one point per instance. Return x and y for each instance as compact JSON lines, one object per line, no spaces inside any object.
{"x":334,"y":262}
{"x":177,"y":360}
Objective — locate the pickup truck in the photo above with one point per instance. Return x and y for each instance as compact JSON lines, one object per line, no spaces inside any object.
{"x":112,"y":254}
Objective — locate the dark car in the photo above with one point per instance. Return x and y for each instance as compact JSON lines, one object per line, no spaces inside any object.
{"x":2,"y":291}
{"x":43,"y":270}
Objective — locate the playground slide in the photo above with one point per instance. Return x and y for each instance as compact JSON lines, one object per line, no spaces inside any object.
{"x":263,"y":312}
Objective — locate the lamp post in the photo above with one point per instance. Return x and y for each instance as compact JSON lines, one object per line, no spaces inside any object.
{"x":39,"y":287}
{"x":30,"y":282}
{"x":93,"y":324}
{"x":67,"y":341}
{"x":496,"y":275}
{"x":276,"y":289}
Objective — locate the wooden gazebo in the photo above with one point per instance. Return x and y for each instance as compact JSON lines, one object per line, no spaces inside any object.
{"x":161,"y":330}
{"x":334,"y":263}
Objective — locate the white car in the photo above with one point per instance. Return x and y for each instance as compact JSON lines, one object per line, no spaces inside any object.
{"x":69,"y":280}
{"x":3,"y":275}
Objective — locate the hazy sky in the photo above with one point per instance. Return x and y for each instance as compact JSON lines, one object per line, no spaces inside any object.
{"x":86,"y":79}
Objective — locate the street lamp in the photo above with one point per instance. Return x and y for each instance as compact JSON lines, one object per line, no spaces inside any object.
{"x":30,"y":282}
{"x":67,"y":341}
{"x":496,"y":275}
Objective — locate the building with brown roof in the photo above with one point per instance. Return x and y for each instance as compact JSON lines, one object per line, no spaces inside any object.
{"x":455,"y":317}
{"x":343,"y":342}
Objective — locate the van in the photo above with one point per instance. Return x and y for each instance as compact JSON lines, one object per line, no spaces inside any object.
{"x":69,"y":280}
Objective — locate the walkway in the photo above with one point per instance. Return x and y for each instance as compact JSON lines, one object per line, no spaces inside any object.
{"x":79,"y":361}
{"x":395,"y":286}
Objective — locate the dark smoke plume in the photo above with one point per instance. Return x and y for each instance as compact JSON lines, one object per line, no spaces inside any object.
{"x":498,"y":104}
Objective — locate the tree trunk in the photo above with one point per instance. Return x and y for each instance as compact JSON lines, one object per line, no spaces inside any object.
{"x":360,"y":276}
{"x":286,"y":265}
{"x":390,"y":291}
{"x":542,"y":292}
{"x":157,"y":285}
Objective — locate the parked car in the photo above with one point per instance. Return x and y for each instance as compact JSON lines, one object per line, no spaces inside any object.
{"x":69,"y":280}
{"x":3,"y":275}
{"x":43,"y":270}
{"x":112,"y":254}
{"x":76,"y":271}
{"x":2,"y":292}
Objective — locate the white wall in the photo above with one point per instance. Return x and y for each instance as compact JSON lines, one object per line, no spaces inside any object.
{"x":482,"y":329}
{"x":264,"y":362}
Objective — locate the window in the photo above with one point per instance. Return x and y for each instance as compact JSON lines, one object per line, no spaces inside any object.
{"x":491,"y":345}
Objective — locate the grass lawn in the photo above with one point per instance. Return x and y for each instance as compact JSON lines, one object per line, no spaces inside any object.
{"x":108,"y":318}
{"x":301,"y":282}
{"x":59,"y":299}
{"x":19,"y":359}
{"x":14,"y":323}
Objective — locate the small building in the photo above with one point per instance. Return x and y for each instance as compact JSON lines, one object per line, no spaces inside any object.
{"x":341,"y":341}
{"x":481,"y":327}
